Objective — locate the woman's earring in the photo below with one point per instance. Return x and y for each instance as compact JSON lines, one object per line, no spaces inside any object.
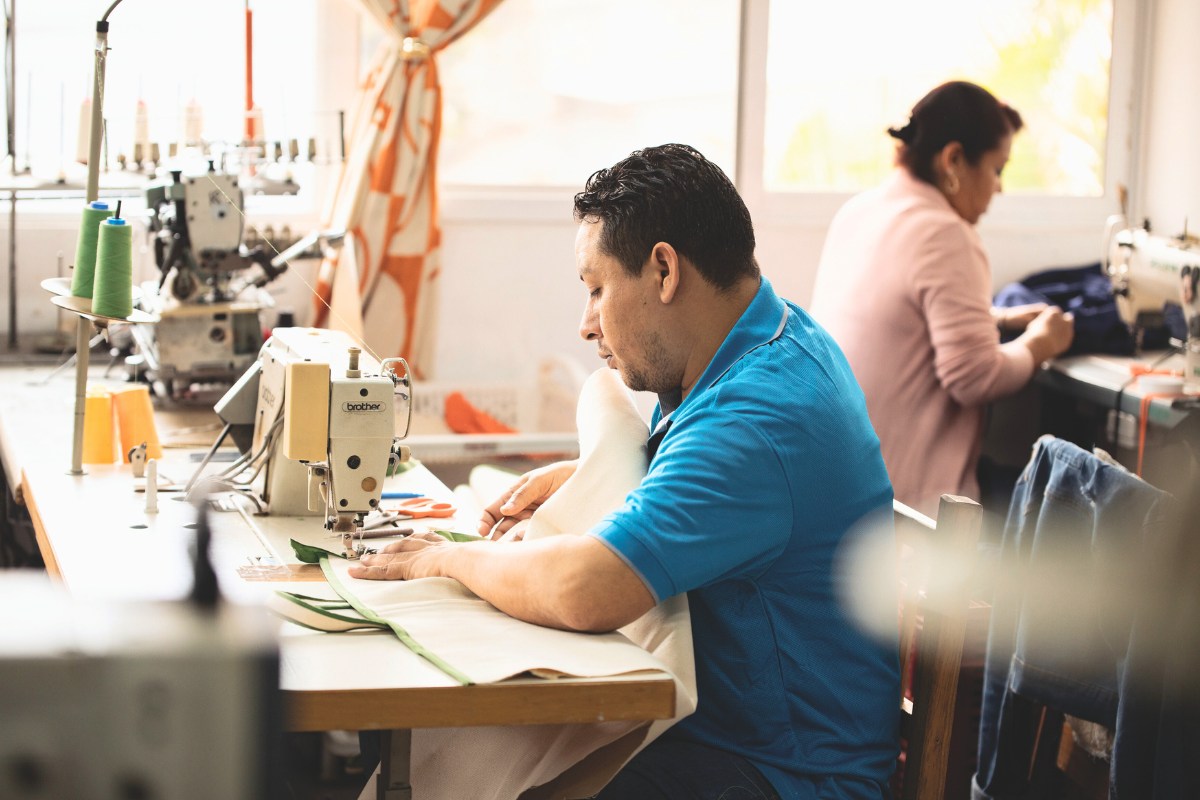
{"x":951,"y":186}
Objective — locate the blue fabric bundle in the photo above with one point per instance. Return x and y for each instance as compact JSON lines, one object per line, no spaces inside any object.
{"x":1086,"y":292}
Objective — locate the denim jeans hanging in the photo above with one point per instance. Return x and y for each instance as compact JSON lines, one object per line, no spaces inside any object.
{"x":1076,"y":622}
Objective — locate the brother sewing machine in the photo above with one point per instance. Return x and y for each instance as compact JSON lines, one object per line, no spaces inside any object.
{"x":210,"y":292}
{"x":324,"y":419}
{"x":1148,"y":271}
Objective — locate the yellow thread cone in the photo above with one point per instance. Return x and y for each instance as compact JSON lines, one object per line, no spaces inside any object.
{"x":135,"y":415}
{"x":98,"y":442}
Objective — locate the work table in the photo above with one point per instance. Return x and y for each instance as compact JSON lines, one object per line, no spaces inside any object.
{"x":96,"y":537}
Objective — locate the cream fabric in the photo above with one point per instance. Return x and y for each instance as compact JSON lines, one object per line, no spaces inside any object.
{"x":561,"y":760}
{"x":484,"y":643}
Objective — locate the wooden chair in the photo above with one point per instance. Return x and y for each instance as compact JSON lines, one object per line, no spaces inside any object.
{"x":1086,"y":776}
{"x":935,"y":579}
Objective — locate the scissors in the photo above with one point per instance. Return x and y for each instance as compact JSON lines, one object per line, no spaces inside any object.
{"x":415,"y":507}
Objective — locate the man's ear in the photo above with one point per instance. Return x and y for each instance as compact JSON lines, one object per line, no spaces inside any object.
{"x":664,"y":260}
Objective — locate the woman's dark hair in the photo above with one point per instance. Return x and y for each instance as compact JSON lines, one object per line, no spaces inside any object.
{"x":671,"y":194}
{"x":953,"y":112}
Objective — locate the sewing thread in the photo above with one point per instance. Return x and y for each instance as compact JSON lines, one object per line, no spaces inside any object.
{"x":112,"y":295}
{"x":135,"y":421}
{"x":99,"y":442}
{"x":83,"y":278}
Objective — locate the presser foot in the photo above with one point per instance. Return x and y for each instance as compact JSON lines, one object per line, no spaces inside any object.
{"x":353,"y":547}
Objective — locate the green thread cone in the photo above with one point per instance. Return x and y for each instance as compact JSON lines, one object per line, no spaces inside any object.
{"x":85,"y":250}
{"x":113,"y":293}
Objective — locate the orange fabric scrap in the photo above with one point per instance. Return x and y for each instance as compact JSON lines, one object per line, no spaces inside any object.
{"x":462,"y":417}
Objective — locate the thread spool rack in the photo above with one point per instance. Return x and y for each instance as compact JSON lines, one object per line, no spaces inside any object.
{"x":60,"y":295}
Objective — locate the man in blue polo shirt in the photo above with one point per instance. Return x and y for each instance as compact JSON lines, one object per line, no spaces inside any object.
{"x":763,"y":461}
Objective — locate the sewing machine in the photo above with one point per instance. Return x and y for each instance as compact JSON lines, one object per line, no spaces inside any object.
{"x":111,"y":698}
{"x":1148,"y":271}
{"x":324,"y":418}
{"x":210,"y":292}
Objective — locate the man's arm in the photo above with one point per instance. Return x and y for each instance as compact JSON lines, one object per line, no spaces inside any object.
{"x":570,"y":582}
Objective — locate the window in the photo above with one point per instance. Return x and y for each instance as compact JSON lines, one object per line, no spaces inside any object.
{"x":544,"y":92}
{"x":168,"y":60}
{"x":829,"y":99}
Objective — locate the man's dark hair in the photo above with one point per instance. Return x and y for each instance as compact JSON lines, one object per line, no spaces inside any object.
{"x":671,"y":194}
{"x":957,"y":111}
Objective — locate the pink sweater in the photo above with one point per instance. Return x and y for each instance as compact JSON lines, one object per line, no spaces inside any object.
{"x":904,"y":286}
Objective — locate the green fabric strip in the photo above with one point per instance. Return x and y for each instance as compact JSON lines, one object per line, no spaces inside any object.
{"x":324,"y":602}
{"x":311,"y":554}
{"x":401,"y":634}
{"x":360,"y":623}
{"x":327,"y":608}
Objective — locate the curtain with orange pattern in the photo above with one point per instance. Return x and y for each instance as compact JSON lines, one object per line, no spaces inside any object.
{"x":383,"y":284}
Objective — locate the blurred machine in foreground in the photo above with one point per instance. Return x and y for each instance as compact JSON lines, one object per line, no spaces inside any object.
{"x":319,"y":420}
{"x":165,"y":700}
{"x":209,"y":296}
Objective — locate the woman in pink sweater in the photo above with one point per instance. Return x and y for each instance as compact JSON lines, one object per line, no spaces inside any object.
{"x":905,"y":287}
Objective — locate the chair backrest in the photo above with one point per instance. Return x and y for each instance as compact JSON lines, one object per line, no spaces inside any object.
{"x":935,"y":580}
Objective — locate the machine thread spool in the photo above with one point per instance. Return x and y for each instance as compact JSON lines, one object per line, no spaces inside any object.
{"x":112,"y":295}
{"x":83,"y":279}
{"x":98,"y":435}
{"x":135,"y":419}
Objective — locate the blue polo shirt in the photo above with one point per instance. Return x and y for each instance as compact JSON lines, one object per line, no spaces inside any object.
{"x":764,"y":468}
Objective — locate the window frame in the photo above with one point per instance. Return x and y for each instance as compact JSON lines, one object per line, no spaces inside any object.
{"x":1022,"y":212}
{"x":338,"y":70}
{"x":1131,"y":28}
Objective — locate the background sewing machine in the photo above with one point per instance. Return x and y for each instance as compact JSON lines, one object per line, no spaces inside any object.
{"x":209,"y":295}
{"x":1148,"y":271}
{"x":318,"y":419}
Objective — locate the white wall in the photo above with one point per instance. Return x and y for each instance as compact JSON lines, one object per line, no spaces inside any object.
{"x":511,"y":294}
{"x":1171,"y":135}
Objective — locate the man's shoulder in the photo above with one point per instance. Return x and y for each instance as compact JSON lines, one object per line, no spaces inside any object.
{"x":779,"y":389}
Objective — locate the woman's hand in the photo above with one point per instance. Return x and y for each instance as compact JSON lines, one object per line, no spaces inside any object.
{"x":524,"y":497}
{"x":1014,"y":319}
{"x":1049,"y":334}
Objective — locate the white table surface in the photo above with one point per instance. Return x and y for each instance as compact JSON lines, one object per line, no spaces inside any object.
{"x":1098,"y":379}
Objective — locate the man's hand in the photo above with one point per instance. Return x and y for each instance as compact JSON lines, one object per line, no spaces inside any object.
{"x":571,"y":582}
{"x":523,"y":498}
{"x":415,"y":556}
